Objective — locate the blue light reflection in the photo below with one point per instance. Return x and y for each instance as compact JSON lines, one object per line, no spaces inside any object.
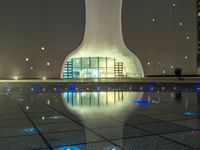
{"x":142,"y":102}
{"x":29,"y":130}
{"x":197,"y":87}
{"x":189,"y":113}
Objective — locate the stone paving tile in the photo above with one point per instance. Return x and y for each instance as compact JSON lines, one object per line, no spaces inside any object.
{"x":17,"y":131}
{"x":191,"y":138}
{"x":12,"y":116}
{"x":72,"y":138}
{"x":138,"y":120}
{"x":191,"y":123}
{"x":162,"y":127}
{"x":59,"y":127}
{"x":120,"y":132}
{"x":149,"y":143}
{"x":101,"y":123}
{"x":170,"y":116}
{"x":15,"y":122}
{"x":22,"y":143}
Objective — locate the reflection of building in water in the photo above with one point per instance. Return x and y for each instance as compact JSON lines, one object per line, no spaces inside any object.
{"x":95,"y":109}
{"x":103,"y":53}
{"x":101,"y":103}
{"x":94,"y":99}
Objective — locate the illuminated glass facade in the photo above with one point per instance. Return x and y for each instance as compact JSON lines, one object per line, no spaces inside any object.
{"x":94,"y":67}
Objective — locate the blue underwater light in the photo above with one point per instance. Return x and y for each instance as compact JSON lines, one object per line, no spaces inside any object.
{"x":68,"y":148}
{"x":142,"y":102}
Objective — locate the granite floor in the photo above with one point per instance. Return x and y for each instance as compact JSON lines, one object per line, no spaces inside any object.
{"x":103,"y":120}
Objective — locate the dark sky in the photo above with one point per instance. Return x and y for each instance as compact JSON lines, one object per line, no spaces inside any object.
{"x":58,"y":25}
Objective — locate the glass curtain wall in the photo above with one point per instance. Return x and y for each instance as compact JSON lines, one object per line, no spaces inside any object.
{"x":94,"y":67}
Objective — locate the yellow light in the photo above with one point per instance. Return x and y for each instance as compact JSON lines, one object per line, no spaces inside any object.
{"x":16,"y":77}
{"x":48,"y":63}
{"x":42,"y":48}
{"x":44,"y":78}
{"x":27,"y":59}
{"x":48,"y":102}
{"x":27,"y":107}
{"x":31,"y":68}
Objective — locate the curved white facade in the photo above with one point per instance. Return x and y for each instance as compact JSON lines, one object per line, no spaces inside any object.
{"x":103,"y":37}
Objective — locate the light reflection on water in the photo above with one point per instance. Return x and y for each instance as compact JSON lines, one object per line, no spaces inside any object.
{"x":89,"y":104}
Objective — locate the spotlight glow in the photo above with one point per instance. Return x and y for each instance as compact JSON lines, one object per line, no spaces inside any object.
{"x":48,"y":64}
{"x":42,"y":48}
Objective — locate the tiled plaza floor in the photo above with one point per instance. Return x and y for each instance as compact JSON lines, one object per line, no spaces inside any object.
{"x":125,"y":120}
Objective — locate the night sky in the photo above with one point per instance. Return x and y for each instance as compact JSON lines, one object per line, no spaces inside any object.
{"x":162,"y":33}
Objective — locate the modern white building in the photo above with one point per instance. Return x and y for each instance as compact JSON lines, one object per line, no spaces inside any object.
{"x":102,"y":53}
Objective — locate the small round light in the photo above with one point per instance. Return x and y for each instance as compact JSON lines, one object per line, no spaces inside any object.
{"x":31,"y":68}
{"x":153,"y":19}
{"x":173,"y":4}
{"x":27,"y":59}
{"x":172,"y":67}
{"x":44,"y":78}
{"x":186,"y":57}
{"x":148,"y":63}
{"x":180,"y":23}
{"x":48,"y":63}
{"x":42,"y":48}
{"x":187,"y":37}
{"x":27,"y":107}
{"x":164,"y":72}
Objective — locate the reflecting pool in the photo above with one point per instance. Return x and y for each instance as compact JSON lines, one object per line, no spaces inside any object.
{"x":99,"y":119}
